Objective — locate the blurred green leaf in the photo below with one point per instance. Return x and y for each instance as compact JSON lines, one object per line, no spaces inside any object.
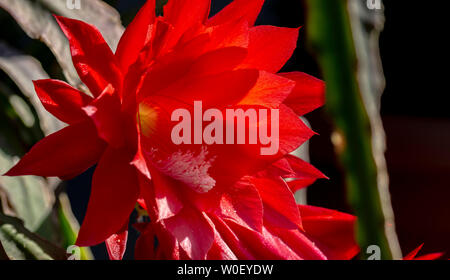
{"x":20,"y":243}
{"x":35,"y":18}
{"x":3,"y":255}
{"x":15,"y":136}
{"x":23,"y":110}
{"x":94,"y":12}
{"x":38,"y":23}
{"x":23,"y":69}
{"x":70,"y":226}
{"x":32,"y":197}
{"x":342,"y":47}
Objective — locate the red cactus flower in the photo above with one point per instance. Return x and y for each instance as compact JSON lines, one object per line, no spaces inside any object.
{"x":239,"y":229}
{"x":205,"y":200}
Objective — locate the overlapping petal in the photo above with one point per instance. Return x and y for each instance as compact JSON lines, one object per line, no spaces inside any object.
{"x":331,"y":231}
{"x":62,"y":100}
{"x":280,"y":208}
{"x":308,"y":94}
{"x":193,"y":232}
{"x":105,"y":112}
{"x":270,"y":47}
{"x":136,"y":36}
{"x":93,"y":59}
{"x":243,"y":204}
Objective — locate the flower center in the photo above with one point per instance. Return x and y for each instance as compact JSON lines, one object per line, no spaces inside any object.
{"x":147,"y":117}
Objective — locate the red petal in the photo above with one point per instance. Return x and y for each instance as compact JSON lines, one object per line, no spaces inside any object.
{"x":105,"y":112}
{"x":114,"y":193}
{"x":145,"y":246}
{"x":270,"y":47}
{"x":218,"y":61}
{"x":139,"y":159}
{"x":215,"y":91}
{"x":263,"y":246}
{"x":220,"y":250}
{"x":280,"y":208}
{"x":238,"y":10}
{"x":429,"y":257}
{"x":296,"y":241}
{"x":116,"y":244}
{"x":180,"y":12}
{"x":243,"y":204}
{"x":304,"y":173}
{"x":186,"y":13}
{"x":270,"y":91}
{"x":413,"y":254}
{"x":91,"y":55}
{"x":176,"y":63}
{"x":231,"y":239}
{"x":166,"y":197}
{"x":69,"y":151}
{"x":308,"y":94}
{"x":233,"y":34}
{"x":332,"y":231}
{"x":293,"y":131}
{"x":62,"y":100}
{"x":136,"y":36}
{"x":193,"y":232}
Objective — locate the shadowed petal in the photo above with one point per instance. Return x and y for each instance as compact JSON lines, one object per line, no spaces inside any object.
{"x":280,"y":208}
{"x":166,"y":197}
{"x":193,"y":232}
{"x":62,"y":100}
{"x":136,"y":36}
{"x":304,"y":173}
{"x":308,"y":94}
{"x":243,"y":204}
{"x":67,"y":152}
{"x":332,"y":231}
{"x":106,"y":115}
{"x":114,"y":193}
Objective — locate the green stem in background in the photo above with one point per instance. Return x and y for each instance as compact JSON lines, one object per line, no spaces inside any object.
{"x":358,"y":125}
{"x":69,"y":226}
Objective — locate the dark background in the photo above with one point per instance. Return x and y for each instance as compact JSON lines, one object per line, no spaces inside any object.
{"x":414,"y":111}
